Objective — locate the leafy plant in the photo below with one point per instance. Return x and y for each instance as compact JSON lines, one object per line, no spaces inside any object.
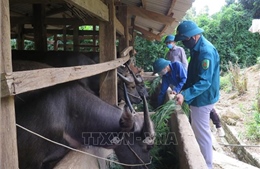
{"x":225,"y":83}
{"x":253,"y":127}
{"x":152,"y":85}
{"x":253,"y":123}
{"x":162,"y":115}
{"x":148,"y":52}
{"x":238,"y":80}
{"x":163,"y":155}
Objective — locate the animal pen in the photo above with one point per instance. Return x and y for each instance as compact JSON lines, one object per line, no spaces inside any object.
{"x":115,"y":23}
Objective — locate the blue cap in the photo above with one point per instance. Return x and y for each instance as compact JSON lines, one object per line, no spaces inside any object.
{"x":169,"y":38}
{"x":187,"y":29}
{"x":160,"y":64}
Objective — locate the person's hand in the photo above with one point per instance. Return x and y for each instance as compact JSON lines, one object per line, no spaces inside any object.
{"x":179,"y":99}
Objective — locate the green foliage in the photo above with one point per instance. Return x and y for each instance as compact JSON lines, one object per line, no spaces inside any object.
{"x":237,"y":79}
{"x":185,"y":107}
{"x":86,"y":27}
{"x":148,"y":52}
{"x":13,"y":44}
{"x":228,"y":32}
{"x":165,"y":158}
{"x":163,"y":155}
{"x":28,"y":45}
{"x":225,"y":83}
{"x":253,"y":127}
{"x":252,"y":5}
{"x":162,"y":115}
{"x":153,"y":85}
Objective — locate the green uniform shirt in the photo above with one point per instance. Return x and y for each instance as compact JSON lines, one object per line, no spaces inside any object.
{"x":202,"y":85}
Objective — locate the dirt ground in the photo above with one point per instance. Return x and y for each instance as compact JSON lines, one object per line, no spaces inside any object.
{"x":242,"y":106}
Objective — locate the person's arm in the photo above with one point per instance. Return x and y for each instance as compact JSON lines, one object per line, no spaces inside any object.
{"x":204,"y":76}
{"x":163,"y":90}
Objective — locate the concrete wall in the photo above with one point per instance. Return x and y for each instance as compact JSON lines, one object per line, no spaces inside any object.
{"x":242,"y":152}
{"x":187,"y":147}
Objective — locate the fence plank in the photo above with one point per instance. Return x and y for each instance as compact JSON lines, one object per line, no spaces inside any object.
{"x":23,"y":81}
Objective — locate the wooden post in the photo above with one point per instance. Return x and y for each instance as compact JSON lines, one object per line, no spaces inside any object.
{"x":107,"y":47}
{"x":20,"y":38}
{"x":40,"y":37}
{"x":55,"y":44}
{"x":64,"y":38}
{"x":122,"y":16}
{"x":8,"y":141}
{"x":94,"y":49}
{"x":76,"y":38}
{"x":132,"y":32}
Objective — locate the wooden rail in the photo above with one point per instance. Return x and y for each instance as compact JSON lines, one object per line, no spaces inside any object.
{"x":24,"y":81}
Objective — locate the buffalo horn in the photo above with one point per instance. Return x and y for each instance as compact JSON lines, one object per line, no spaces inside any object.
{"x":147,"y":128}
{"x":127,"y":80}
{"x":137,"y":80}
{"x":127,"y":100}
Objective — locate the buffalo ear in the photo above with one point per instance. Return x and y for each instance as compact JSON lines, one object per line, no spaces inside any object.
{"x":126,"y":121}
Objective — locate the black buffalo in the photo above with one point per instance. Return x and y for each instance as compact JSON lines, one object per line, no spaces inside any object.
{"x":69,"y":114}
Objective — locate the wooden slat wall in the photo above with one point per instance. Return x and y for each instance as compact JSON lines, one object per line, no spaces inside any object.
{"x":8,"y":141}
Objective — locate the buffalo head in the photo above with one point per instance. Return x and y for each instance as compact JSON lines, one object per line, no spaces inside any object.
{"x":134,"y":146}
{"x":140,"y":86}
{"x":126,"y":77}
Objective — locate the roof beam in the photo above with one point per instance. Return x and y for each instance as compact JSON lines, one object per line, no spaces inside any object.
{"x":56,"y":11}
{"x":94,"y":7}
{"x":150,"y":15}
{"x":68,"y":32}
{"x":36,"y":1}
{"x":54,"y":21}
{"x":148,"y":34}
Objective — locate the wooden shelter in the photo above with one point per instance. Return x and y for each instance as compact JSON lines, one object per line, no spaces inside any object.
{"x":114,"y":23}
